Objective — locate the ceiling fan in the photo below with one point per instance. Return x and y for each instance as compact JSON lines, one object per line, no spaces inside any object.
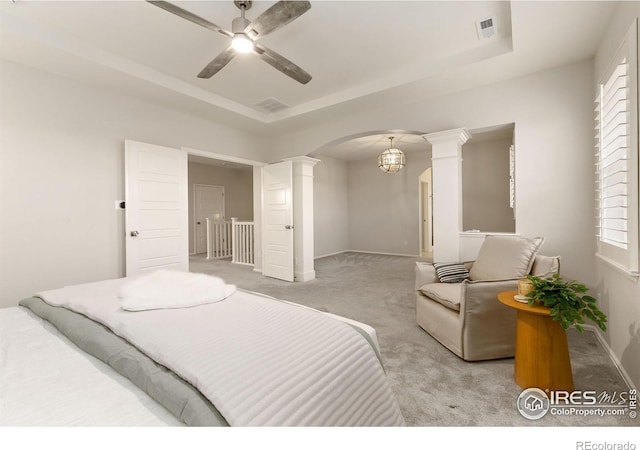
{"x":245,"y":33}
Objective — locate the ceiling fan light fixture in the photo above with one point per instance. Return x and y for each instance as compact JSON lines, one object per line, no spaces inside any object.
{"x":391,"y":160}
{"x":244,"y":34}
{"x":242,"y":43}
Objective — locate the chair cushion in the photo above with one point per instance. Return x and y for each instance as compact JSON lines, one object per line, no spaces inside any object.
{"x":504,"y":258}
{"x":451,"y":272}
{"x":447,"y":294}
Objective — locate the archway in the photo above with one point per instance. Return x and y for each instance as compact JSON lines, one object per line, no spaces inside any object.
{"x":360,"y":208}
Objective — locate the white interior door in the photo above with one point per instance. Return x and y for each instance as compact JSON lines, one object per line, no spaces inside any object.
{"x":277,"y":221}
{"x":208,"y":203}
{"x":156,"y":214}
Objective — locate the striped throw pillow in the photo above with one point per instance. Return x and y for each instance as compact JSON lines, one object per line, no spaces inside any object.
{"x":451,"y":272}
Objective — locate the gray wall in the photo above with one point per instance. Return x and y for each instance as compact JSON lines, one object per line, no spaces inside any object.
{"x":384,"y":208}
{"x":238,"y":191}
{"x":485,"y":186}
{"x":331,"y":207}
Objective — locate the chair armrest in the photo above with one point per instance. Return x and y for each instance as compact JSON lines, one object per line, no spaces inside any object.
{"x":488,"y":326}
{"x":425,"y":274}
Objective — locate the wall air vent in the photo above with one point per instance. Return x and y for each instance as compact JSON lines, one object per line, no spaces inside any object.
{"x":486,"y":28}
{"x":271,"y":105}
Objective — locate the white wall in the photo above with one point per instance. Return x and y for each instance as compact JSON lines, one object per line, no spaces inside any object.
{"x":331,"y":207}
{"x":485,"y":186}
{"x":384,"y":208}
{"x":61,"y":171}
{"x":619,"y":294}
{"x":552,"y":112}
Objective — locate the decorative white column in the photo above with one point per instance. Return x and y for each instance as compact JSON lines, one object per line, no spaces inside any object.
{"x":303,"y":251}
{"x":446,"y":162}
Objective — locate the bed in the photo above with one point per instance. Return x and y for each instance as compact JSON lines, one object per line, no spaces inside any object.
{"x":95,"y":354}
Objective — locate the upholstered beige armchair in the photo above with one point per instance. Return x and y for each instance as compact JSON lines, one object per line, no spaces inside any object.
{"x":466,"y":317}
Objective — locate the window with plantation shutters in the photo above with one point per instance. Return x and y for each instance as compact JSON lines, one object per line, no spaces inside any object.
{"x":613,"y":164}
{"x":617,"y":158}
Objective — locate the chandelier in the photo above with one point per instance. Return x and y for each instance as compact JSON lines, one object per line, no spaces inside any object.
{"x":391,"y":160}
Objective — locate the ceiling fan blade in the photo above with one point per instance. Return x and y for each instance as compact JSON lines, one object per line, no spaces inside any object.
{"x":282,"y":64}
{"x":218,"y":63}
{"x":277,"y":16}
{"x":173,"y":9}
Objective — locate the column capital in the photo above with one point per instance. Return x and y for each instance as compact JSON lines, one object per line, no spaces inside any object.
{"x":304,"y":160}
{"x":458,"y":135}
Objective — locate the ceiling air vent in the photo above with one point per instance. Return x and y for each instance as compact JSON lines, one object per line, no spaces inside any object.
{"x":272,"y":105}
{"x":486,"y":28}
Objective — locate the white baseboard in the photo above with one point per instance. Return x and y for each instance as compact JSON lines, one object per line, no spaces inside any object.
{"x":612,"y":355}
{"x":366,"y":252}
{"x":382,"y":253}
{"x":304,"y":276}
{"x":330,"y":254}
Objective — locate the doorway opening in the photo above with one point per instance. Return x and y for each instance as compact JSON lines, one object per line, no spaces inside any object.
{"x":222,"y":207}
{"x":208,"y":203}
{"x":360,"y":208}
{"x":426,"y":214}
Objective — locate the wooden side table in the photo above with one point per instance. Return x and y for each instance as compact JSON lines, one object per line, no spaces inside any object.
{"x":542,"y":354}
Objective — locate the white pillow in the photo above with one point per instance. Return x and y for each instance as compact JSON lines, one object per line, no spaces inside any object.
{"x":165,"y":289}
{"x":545,"y":266}
{"x":505,"y":258}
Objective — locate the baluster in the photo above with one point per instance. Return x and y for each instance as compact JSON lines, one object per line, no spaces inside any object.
{"x":250,"y":234}
{"x":245,"y":243}
{"x":208,"y":222}
{"x":234,"y":240}
{"x":216,"y":241}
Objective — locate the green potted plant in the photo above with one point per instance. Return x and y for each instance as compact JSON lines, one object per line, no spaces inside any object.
{"x":568,"y":300}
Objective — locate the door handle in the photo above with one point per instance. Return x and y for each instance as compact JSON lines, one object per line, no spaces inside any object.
{"x":288,"y":227}
{"x":134,"y":233}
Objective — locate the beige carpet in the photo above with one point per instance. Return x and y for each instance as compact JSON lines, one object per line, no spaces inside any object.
{"x":434,"y":387}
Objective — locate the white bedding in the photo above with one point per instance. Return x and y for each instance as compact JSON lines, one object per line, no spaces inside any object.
{"x":172,"y":289}
{"x":259,"y":361}
{"x":38,"y":366}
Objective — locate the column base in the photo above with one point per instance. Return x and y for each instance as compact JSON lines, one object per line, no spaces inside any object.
{"x":305,"y":276}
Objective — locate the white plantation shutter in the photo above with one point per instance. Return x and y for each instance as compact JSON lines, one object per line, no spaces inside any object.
{"x":612,"y":122}
{"x":617,"y":158}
